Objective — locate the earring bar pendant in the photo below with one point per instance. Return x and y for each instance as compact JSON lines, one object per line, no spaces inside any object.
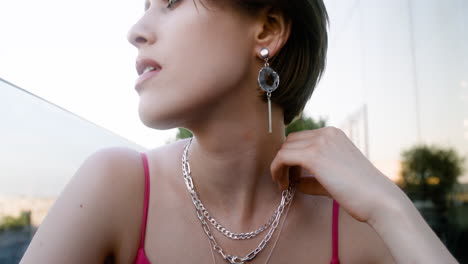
{"x":269,"y":112}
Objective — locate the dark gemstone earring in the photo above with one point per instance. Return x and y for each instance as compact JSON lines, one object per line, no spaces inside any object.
{"x":268,"y":80}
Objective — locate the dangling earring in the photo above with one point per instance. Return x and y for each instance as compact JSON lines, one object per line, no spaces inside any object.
{"x":268,"y":80}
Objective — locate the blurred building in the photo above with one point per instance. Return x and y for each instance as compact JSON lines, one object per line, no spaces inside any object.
{"x":397,"y":75}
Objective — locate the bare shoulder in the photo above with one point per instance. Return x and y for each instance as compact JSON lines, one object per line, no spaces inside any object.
{"x":131,"y":188}
{"x":82,"y":225}
{"x":359,"y":241}
{"x":312,"y":221}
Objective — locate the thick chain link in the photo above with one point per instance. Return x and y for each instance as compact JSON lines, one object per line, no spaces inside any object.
{"x":212,"y":220}
{"x":233,"y":235}
{"x":203,"y":216}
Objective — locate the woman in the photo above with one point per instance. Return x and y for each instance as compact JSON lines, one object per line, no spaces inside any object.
{"x":209,"y":66}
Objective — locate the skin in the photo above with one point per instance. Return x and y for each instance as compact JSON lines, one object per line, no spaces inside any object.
{"x":208,"y":84}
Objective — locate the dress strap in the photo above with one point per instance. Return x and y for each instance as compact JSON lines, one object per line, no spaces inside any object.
{"x":146,"y":199}
{"x":336,"y":210}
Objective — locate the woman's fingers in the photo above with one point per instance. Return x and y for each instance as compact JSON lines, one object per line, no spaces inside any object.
{"x":288,"y":166}
{"x":280,"y":167}
{"x":295,"y":174}
{"x":309,"y":185}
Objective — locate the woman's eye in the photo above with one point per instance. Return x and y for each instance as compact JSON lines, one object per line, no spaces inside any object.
{"x":171,"y":3}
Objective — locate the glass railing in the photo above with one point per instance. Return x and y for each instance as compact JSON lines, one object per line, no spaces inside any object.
{"x":42,"y":146}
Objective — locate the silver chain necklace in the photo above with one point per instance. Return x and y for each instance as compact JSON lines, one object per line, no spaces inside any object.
{"x":222,"y":229}
{"x":233,"y":235}
{"x":274,"y":244}
{"x":203,"y":215}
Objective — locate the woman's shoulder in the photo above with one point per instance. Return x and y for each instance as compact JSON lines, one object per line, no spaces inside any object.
{"x":86,"y":213}
{"x":360,"y":240}
{"x":124,"y":165}
{"x":357,"y":241}
{"x":125,"y":169}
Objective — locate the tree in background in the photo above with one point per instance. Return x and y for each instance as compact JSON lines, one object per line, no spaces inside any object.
{"x":183,"y":133}
{"x":15,"y":223}
{"x":303,"y":123}
{"x":430,"y":173}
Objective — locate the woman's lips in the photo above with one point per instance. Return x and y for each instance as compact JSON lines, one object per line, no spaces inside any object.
{"x":145,"y":76}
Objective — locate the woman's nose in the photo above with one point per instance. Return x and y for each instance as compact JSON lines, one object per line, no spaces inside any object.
{"x":140,"y":34}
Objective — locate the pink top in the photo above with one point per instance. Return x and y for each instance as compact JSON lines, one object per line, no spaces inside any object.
{"x":141,"y":256}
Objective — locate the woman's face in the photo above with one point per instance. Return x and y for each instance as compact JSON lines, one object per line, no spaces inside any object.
{"x":204,"y":52}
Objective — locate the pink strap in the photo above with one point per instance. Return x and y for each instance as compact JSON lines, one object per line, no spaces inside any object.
{"x":336,"y":208}
{"x":145,"y":209}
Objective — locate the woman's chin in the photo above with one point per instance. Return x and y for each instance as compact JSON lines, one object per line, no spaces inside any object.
{"x":161,"y":120}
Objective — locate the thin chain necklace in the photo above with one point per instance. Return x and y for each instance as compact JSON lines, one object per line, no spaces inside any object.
{"x":221,"y":228}
{"x":237,"y":236}
{"x":274,"y":245}
{"x":203,"y":214}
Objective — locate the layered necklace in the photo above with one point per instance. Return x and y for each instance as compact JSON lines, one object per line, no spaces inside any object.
{"x":206,"y":219}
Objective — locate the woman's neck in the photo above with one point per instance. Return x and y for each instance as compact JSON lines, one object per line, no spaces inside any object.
{"x":231,"y":168}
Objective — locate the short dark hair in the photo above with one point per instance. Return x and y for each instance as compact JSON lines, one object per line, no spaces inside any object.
{"x":301,"y":61}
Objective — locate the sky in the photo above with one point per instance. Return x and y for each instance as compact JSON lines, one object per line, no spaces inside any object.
{"x":76,"y":55}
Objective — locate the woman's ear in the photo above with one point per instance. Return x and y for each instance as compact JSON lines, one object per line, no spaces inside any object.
{"x":273,"y":31}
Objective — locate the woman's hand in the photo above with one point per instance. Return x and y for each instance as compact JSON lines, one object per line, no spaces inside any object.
{"x":325,"y":162}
